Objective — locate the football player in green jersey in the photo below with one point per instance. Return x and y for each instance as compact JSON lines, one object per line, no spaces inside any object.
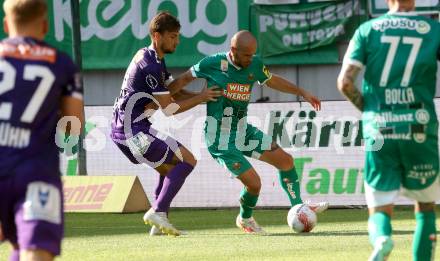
{"x":399,"y":51}
{"x":226,"y":129}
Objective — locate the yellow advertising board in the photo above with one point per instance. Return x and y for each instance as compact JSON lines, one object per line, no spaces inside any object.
{"x":115,"y":194}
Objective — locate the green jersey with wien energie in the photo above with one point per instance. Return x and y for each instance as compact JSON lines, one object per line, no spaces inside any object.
{"x":400,"y":52}
{"x":235,"y":82}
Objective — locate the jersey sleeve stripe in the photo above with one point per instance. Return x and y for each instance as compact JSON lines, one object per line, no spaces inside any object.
{"x":354,"y":62}
{"x":193,"y":72}
{"x":161,"y":93}
{"x":270,"y":77}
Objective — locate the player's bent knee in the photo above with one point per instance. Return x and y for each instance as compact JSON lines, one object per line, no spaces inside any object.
{"x":251,"y":181}
{"x":191,"y":161}
{"x":188,"y":157}
{"x":424,"y":207}
{"x":254,"y":188}
{"x":289,"y":163}
{"x":285,"y":161}
{"x":36,"y":255}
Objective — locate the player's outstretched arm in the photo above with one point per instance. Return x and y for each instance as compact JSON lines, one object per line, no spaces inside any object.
{"x":180,"y":82}
{"x":169,"y":108}
{"x":278,"y":83}
{"x":346,"y":85}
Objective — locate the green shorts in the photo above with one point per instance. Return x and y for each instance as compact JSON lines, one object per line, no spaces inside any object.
{"x":402,"y":163}
{"x":230,"y":150}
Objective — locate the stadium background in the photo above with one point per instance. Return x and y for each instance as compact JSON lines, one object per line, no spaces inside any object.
{"x":113,"y":30}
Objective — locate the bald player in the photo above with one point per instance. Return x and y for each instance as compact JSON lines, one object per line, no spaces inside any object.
{"x":38,"y":84}
{"x":399,"y":52}
{"x":227,"y":132}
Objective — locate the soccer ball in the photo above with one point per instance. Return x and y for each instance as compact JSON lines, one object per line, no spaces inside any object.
{"x":301,"y":218}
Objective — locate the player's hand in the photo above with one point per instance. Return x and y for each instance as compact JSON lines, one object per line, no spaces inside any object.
{"x":314,"y":101}
{"x":210,"y":94}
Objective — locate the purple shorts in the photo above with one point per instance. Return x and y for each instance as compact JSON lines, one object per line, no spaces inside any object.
{"x":31,"y":211}
{"x":147,"y":147}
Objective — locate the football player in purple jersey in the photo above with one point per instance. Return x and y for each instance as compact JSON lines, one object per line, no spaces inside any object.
{"x":144,"y":89}
{"x":38,"y":85}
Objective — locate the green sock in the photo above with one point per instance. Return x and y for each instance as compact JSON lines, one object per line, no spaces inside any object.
{"x":247,"y":203}
{"x":379,"y":224}
{"x":290,"y":183}
{"x":424,"y":236}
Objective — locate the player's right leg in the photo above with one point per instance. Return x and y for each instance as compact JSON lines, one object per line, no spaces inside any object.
{"x":146,"y":148}
{"x":234,"y":160}
{"x":38,"y":215}
{"x":382,"y":182}
{"x":248,"y":201}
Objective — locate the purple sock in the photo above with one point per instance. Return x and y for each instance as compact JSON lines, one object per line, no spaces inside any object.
{"x":158,"y":186}
{"x":15,"y":255}
{"x":171,"y":185}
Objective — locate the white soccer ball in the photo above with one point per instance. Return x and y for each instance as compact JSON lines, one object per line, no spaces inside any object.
{"x":301,"y":218}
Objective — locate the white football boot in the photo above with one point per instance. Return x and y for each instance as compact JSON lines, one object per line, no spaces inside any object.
{"x":160,"y":220}
{"x":155,"y":231}
{"x":249,"y":225}
{"x":382,"y":249}
{"x":317,"y":207}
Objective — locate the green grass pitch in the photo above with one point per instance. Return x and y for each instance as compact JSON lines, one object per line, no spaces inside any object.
{"x":340,"y":235}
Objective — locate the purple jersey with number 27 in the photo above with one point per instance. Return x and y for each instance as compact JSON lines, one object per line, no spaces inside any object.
{"x":33,"y":78}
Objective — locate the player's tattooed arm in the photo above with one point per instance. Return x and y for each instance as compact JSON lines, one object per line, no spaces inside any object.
{"x":347,"y":87}
{"x":180,"y":82}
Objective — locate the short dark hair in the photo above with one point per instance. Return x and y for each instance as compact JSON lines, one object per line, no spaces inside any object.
{"x":164,"y":22}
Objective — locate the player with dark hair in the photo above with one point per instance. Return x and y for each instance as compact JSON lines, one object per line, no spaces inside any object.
{"x":399,"y":51}
{"x":38,"y":84}
{"x":144,"y":89}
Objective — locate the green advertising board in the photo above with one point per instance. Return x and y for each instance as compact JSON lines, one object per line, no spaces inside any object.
{"x":305,"y":33}
{"x":112,"y":31}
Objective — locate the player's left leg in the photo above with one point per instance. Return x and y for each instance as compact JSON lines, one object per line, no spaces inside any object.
{"x":382,"y":182}
{"x":176,"y":172}
{"x":287,"y":175}
{"x":36,"y":255}
{"x":163,"y":170}
{"x":15,"y":253}
{"x":175,"y":178}
{"x":421,"y":182}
